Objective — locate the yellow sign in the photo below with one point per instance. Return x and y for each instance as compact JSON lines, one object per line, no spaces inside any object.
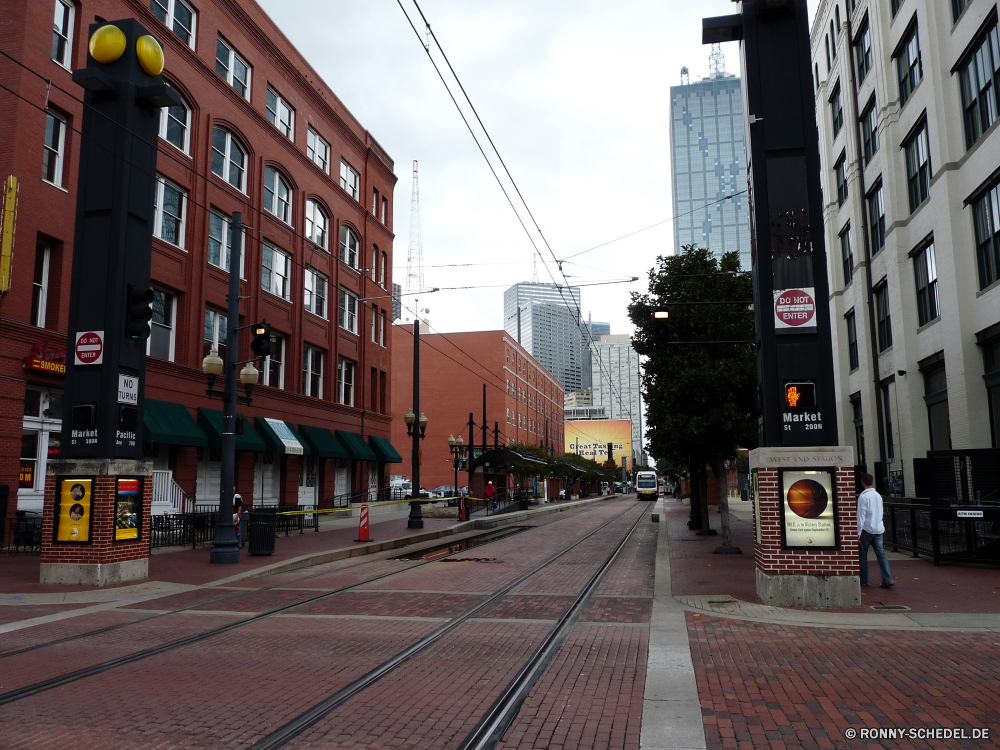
{"x":7,"y":226}
{"x":73,"y":516}
{"x":590,"y":438}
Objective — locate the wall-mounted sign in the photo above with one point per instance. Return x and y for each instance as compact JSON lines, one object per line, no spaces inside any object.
{"x":46,"y":357}
{"x":26,"y":474}
{"x":89,"y":348}
{"x":795,"y":309}
{"x":968,"y":514}
{"x":128,"y":508}
{"x":286,"y":436}
{"x":74,"y":502}
{"x":808,"y":509}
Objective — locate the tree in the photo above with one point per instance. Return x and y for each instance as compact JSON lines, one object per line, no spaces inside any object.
{"x":700,"y":394}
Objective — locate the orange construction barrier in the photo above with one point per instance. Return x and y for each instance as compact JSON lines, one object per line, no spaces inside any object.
{"x":461,"y":508}
{"x":363,"y":535}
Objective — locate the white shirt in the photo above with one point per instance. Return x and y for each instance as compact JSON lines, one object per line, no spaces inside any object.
{"x":870,"y":512}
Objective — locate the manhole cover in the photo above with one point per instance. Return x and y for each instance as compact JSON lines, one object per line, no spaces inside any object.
{"x":895,"y":607}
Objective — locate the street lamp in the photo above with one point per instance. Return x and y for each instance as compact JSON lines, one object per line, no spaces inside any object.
{"x":457,"y":448}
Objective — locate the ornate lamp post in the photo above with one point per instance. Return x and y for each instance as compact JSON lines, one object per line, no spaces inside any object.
{"x":417,"y":430}
{"x":457,"y":449}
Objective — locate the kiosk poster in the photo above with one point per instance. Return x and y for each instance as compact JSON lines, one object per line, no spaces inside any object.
{"x":128,"y":508}
{"x":808,"y":510}
{"x":755,"y":491}
{"x":73,"y":516}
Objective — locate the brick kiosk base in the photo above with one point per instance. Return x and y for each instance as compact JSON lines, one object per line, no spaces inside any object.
{"x":800,"y":576}
{"x":102,"y":561}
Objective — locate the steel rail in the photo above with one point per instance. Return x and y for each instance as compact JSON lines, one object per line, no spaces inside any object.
{"x":296,"y":726}
{"x":84,"y":672}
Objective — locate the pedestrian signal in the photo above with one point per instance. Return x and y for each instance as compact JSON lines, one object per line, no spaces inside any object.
{"x":139,"y":312}
{"x":800,"y":396}
{"x":261,"y":344}
{"x":661,"y":327}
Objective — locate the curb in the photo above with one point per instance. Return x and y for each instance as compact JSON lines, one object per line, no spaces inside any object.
{"x":321,"y":558}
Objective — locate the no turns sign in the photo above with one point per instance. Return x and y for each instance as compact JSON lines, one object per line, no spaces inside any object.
{"x":89,"y":348}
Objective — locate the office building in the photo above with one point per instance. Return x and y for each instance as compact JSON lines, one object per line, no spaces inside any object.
{"x":906,"y":97}
{"x":259,"y":132}
{"x":545,"y":320}
{"x":592,"y":332}
{"x":617,"y":386}
{"x":708,"y":163}
{"x":397,"y":302}
{"x":523,"y":399}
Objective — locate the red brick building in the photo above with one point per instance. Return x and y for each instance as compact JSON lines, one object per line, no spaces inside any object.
{"x":521,"y":396}
{"x":259,"y":133}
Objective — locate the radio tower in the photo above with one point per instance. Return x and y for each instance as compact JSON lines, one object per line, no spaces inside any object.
{"x":717,"y":61}
{"x":415,"y":252}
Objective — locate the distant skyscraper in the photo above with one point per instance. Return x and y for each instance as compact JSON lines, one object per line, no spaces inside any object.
{"x":708,"y":154}
{"x":592,"y":333}
{"x":545,"y":320}
{"x":615,"y":373}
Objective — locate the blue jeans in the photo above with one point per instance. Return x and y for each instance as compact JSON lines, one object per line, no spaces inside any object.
{"x":873,"y":540}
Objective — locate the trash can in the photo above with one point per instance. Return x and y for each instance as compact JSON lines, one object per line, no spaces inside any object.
{"x":262,"y":527}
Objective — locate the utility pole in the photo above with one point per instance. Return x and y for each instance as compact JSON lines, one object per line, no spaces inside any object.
{"x":416,"y":519}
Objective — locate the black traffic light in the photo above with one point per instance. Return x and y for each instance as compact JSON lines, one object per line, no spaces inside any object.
{"x":138,"y":312}
{"x":261,"y":344}
{"x":661,"y":327}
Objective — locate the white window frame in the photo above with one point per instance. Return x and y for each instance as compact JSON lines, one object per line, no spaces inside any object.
{"x":374,"y":323}
{"x":385,"y":208}
{"x":170,"y":8}
{"x":161,"y":185}
{"x":277,"y":350}
{"x":347,"y":316}
{"x":347,"y":251}
{"x":318,"y":150}
{"x":375,"y":197}
{"x":308,"y":360}
{"x":227,"y":159}
{"x":230,"y":67}
{"x":384,"y":261}
{"x":322,"y":238}
{"x":172,"y":327}
{"x":215,"y":340}
{"x":185,"y":146}
{"x":314,"y":290}
{"x":345,"y":384}
{"x":278,"y":273}
{"x":225,"y":244}
{"x":64,"y":11}
{"x":279,"y":209}
{"x":350,"y":180}
{"x":38,"y":310}
{"x":59,"y":150}
{"x":281,"y":114}
{"x":381,"y":331}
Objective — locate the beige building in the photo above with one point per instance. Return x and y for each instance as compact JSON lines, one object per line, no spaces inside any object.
{"x":907,"y":107}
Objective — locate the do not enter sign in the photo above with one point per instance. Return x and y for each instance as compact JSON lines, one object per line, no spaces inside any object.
{"x":794,"y":308}
{"x":89,"y":348}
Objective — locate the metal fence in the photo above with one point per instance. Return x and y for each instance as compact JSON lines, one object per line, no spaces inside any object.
{"x":24,"y":533}
{"x":908,"y":527}
{"x":182,"y":529}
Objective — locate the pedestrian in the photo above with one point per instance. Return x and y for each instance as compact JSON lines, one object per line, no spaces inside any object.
{"x":237,"y":516}
{"x":870,"y":530}
{"x":490,"y":493}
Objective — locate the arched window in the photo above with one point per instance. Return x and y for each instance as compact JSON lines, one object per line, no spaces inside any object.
{"x":349,"y":247}
{"x":175,"y":125}
{"x":375,"y":263}
{"x":317,"y":224}
{"x":826,"y":39}
{"x":229,"y":159}
{"x":833,"y":37}
{"x":381,"y":277}
{"x":277,"y":195}
{"x":836,"y":14}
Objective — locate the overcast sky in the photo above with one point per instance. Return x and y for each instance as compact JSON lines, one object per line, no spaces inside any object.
{"x":575,"y":94}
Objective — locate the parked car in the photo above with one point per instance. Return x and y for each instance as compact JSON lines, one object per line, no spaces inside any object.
{"x":443,"y":490}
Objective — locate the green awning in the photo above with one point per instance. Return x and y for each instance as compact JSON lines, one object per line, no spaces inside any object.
{"x":167,"y":422}
{"x":384,"y":450}
{"x":356,"y":446}
{"x":210,"y":421}
{"x":281,"y":437}
{"x":323,"y":442}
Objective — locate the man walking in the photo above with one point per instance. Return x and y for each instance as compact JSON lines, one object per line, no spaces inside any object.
{"x":870,"y":530}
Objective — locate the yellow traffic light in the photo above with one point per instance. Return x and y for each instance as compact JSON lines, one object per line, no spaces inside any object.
{"x":107,"y":44}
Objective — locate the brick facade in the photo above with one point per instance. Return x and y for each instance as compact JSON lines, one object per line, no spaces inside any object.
{"x":46,"y":214}
{"x":454,"y":367}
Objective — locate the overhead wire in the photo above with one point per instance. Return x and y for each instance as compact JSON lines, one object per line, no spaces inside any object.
{"x":510,"y":177}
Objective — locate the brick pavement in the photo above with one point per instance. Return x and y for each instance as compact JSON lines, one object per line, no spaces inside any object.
{"x":777,"y":686}
{"x":272,"y":669}
{"x":17,"y":612}
{"x":42,"y":634}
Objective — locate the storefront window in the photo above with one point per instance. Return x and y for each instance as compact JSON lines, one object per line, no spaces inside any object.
{"x":32,"y":403}
{"x":29,"y":461}
{"x":41,"y":435}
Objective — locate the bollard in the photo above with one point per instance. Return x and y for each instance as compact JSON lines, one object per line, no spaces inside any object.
{"x":461,"y":508}
{"x":363,"y":535}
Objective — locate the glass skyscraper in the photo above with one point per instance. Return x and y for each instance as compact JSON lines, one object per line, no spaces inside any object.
{"x":545,"y":320}
{"x":709,"y":162}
